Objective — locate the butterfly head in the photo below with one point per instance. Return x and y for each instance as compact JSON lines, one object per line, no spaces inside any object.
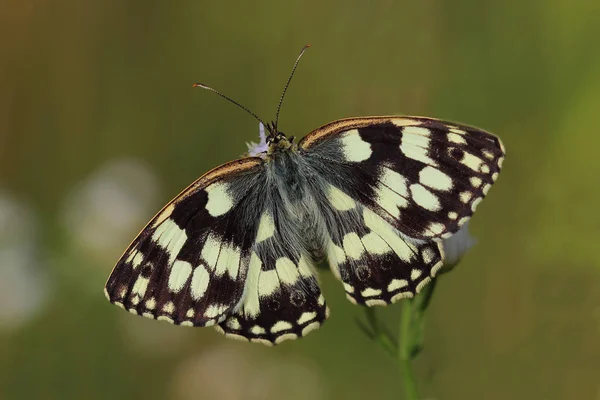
{"x":277,"y":141}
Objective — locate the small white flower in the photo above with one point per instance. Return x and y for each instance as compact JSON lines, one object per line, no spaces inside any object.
{"x":102,"y":212}
{"x":259,"y":149}
{"x":24,"y":283}
{"x":456,"y":246}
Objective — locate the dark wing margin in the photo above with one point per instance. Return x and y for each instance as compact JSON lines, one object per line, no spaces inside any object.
{"x":188,"y":266}
{"x":423,"y":176}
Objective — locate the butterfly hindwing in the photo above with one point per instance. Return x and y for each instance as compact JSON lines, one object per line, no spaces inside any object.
{"x":282,"y":299}
{"x":189,"y":264}
{"x":423,"y":176}
{"x":377,"y":264}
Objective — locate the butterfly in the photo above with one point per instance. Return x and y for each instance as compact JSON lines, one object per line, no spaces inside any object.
{"x":375,"y":196}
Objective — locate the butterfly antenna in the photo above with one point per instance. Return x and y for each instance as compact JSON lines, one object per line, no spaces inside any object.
{"x":288,"y":84}
{"x":200,"y":85}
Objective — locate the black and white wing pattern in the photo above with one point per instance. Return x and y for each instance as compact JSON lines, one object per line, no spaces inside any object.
{"x":213,"y":256}
{"x":395,"y":188}
{"x":283,"y":299}
{"x":188,"y":266}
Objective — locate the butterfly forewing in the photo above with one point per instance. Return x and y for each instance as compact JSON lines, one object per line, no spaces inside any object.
{"x":189,"y":265}
{"x":423,"y":176}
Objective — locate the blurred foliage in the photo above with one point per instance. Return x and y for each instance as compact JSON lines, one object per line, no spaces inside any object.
{"x":87,"y":83}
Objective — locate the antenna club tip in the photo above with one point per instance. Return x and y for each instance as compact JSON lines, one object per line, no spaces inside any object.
{"x":197,"y":85}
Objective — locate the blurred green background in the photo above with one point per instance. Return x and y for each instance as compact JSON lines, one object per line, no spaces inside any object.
{"x":99,"y":127}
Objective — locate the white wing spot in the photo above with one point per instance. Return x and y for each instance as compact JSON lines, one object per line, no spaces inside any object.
{"x":287,"y":271}
{"x":452,"y":215}
{"x":135,"y":258}
{"x":353,"y":246}
{"x":457,"y":131}
{"x":235,"y":336}
{"x":336,"y":256}
{"x":339,"y":200}
{"x":465,"y":197}
{"x":415,"y":274}
{"x":233,"y":323}
{"x":165,"y":318}
{"x":150,"y":303}
{"x":485,"y":169}
{"x":494,"y":176}
{"x":416,"y":130}
{"x":262,"y":341}
{"x":435,"y":228}
{"x":428,"y":255}
{"x":287,"y":336}
{"x":392,"y":191}
{"x":210,"y":251}
{"x":396,"y":284}
{"x":200,"y":280}
{"x":415,"y":144}
{"x":370,"y":292}
{"x":179,"y":274}
{"x":280,"y":326}
{"x":304,"y":268}
{"x":168,"y":307}
{"x":393,"y":180}
{"x":486,"y":188}
{"x":140,"y":286}
{"x":355,"y":149}
{"x":475,"y":181}
{"x":266,"y":227}
{"x":348,"y":288}
{"x":306,"y":317}
{"x":190,"y":313}
{"x":456,"y":138}
{"x":422,"y":284}
{"x":170,"y":237}
{"x":374,"y":244}
{"x":375,"y":223}
{"x":310,"y":327}
{"x":219,"y":201}
{"x":321,"y":300}
{"x":401,"y":295}
{"x":258,"y":330}
{"x":229,"y":260}
{"x":435,"y":179}
{"x":424,"y":197}
{"x":472,"y":162}
{"x":214,"y":310}
{"x":375,"y":302}
{"x":251,"y":301}
{"x":488,"y":154}
{"x":267,"y":283}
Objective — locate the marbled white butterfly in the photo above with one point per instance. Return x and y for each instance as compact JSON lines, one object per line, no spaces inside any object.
{"x":374,"y":195}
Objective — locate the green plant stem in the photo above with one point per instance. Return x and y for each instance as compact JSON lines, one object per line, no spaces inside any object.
{"x":410,"y":337}
{"x":405,"y":350}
